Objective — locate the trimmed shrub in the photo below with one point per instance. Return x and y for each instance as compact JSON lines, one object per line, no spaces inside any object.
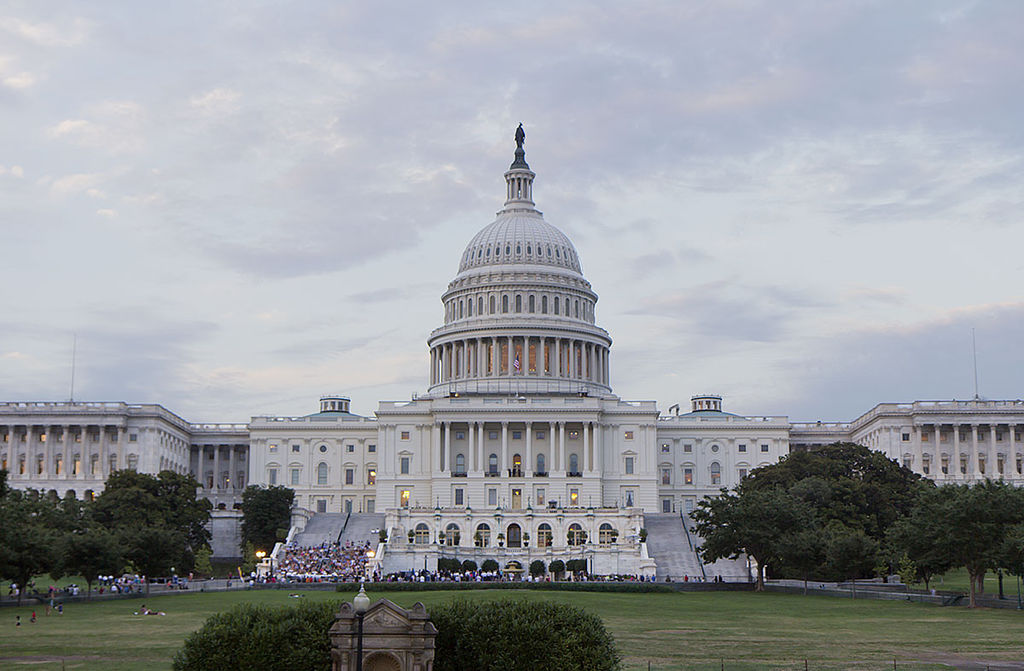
{"x":449,"y":565}
{"x":537,"y":568}
{"x":489,"y":565}
{"x":556,"y":567}
{"x":491,"y":636}
{"x":468,"y":565}
{"x":576,"y":565}
{"x":262,"y":637}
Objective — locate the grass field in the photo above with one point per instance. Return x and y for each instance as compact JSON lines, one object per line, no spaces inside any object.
{"x":671,"y":631}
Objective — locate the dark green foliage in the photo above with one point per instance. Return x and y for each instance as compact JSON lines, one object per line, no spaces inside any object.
{"x":265,"y":510}
{"x":616,"y":587}
{"x":492,"y":636}
{"x":850,"y":554}
{"x":489,"y":566}
{"x":154,"y":551}
{"x":262,"y":637}
{"x":537,"y":568}
{"x":556,"y":567}
{"x":90,"y":554}
{"x":28,"y":545}
{"x":448,"y":565}
{"x":468,"y":565}
{"x":576,"y":565}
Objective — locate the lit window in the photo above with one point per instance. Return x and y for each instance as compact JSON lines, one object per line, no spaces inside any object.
{"x":629,"y":435}
{"x":716,"y":473}
{"x":405,"y":435}
{"x":688,"y":476}
{"x":371,"y":476}
{"x":665,"y":447}
{"x":405,"y":498}
{"x":573,"y":435}
{"x":273,"y":448}
{"x":540,"y":497}
{"x":544,"y":535}
{"x":574,"y":497}
{"x":666,"y":476}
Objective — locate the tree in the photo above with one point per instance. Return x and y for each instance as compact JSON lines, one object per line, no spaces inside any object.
{"x":168,"y":501}
{"x":536,"y":568}
{"x":468,"y":566}
{"x":491,"y":636}
{"x":556,"y":568}
{"x":90,"y":554}
{"x":916,"y":535}
{"x":489,"y":566}
{"x":266,"y":511}
{"x":154,"y":551}
{"x":802,"y":552}
{"x":203,"y":565}
{"x":28,"y":547}
{"x":754,"y":522}
{"x":850,"y":553}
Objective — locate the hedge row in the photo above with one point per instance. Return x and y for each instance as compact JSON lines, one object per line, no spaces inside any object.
{"x":628,"y":587}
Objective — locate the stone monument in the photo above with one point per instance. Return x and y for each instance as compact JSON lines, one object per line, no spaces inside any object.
{"x":394,"y":639}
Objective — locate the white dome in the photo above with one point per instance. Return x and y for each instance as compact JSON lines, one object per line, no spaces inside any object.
{"x":518,"y":238}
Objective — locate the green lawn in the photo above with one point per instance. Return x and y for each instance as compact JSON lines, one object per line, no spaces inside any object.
{"x":671,"y":631}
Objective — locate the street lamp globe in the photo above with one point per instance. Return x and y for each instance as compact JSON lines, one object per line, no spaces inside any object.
{"x":361,"y":602}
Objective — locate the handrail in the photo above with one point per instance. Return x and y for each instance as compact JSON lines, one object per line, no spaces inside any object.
{"x":700,"y":559}
{"x":344,"y":526}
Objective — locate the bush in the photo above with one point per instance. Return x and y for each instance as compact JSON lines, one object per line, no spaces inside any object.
{"x":262,"y":637}
{"x":448,"y":565}
{"x":536,"y":568}
{"x":556,"y":567}
{"x":576,"y":565}
{"x":468,"y":565}
{"x":490,"y":636}
{"x":489,"y":566}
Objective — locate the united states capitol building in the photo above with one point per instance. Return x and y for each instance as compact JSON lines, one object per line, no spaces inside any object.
{"x":519,"y":448}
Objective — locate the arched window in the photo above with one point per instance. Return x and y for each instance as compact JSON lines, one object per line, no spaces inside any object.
{"x":460,"y":309}
{"x":460,"y":463}
{"x":422,"y":534}
{"x":531,"y":307}
{"x":492,"y":464}
{"x":469,"y":308}
{"x":492,"y":305}
{"x":519,"y":303}
{"x":517,"y":467}
{"x":556,"y":305}
{"x":452,"y":535}
{"x":321,"y":473}
{"x":482,"y":537}
{"x":577,"y":308}
{"x":543,"y":305}
{"x":544,"y":535}
{"x":607,"y":534}
{"x":576,"y":535}
{"x":504,"y":303}
{"x":716,"y":473}
{"x":574,"y":463}
{"x":541,"y":465}
{"x":480,"y":305}
{"x":514,"y":536}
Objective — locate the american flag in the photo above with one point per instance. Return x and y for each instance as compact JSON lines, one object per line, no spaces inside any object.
{"x":515,"y":363}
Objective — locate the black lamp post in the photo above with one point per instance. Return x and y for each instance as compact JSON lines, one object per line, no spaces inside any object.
{"x":360,"y":604}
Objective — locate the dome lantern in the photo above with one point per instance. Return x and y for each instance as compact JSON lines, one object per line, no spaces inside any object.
{"x":519,"y":178}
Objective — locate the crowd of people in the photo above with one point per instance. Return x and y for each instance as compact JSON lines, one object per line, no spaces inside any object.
{"x":330,"y":562}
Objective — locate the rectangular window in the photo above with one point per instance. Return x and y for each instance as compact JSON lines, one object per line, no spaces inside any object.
{"x":272,"y":476}
{"x":629,"y":465}
{"x":492,"y":497}
{"x":540,"y":497}
{"x":540,"y":435}
{"x":273,"y":448}
{"x":460,"y":497}
{"x":404,"y":498}
{"x":370,"y":504}
{"x":742,"y":447}
{"x":350,"y":448}
{"x":688,"y":476}
{"x":321,"y":505}
{"x":764,"y":447}
{"x":573,"y":435}
{"x":492,"y":435}
{"x":405,"y":435}
{"x":687,"y":447}
{"x":371,"y":476}
{"x":296,"y":448}
{"x":906,"y":437}
{"x":666,"y":505}
{"x":629,"y":435}
{"x":574,"y":497}
{"x":460,"y":435}
{"x":743,"y":473}
{"x":517,"y":435}
{"x":133,"y":437}
{"x":665,"y":448}
{"x":350,"y":476}
{"x":666,"y":476}
{"x":295,"y":476}
{"x":925,"y":437}
{"x":404,"y":468}
{"x":371,"y":448}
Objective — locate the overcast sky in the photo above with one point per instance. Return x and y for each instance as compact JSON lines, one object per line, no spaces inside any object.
{"x":239,"y":206}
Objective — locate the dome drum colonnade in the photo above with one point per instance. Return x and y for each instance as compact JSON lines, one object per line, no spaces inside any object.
{"x":519,"y":316}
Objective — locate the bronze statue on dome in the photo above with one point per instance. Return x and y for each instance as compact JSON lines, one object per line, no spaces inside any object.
{"x":520,"y":136}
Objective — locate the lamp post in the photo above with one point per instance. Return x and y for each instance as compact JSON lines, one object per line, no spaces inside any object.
{"x":260,"y":554}
{"x":360,"y":604}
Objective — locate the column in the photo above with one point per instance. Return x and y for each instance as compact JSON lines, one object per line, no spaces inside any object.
{"x":552,"y":451}
{"x":30,"y":452}
{"x":435,"y":445}
{"x":504,"y":448}
{"x":509,"y":362}
{"x":480,"y":447}
{"x":936,"y":452}
{"x":1011,"y":451}
{"x":586,"y":447}
{"x":446,"y":452}
{"x":561,"y":446}
{"x":993,"y":452}
{"x":471,"y":456}
{"x":955,"y":457}
{"x":557,"y":368}
{"x":528,"y":461}
{"x":972,"y":468}
{"x":216,"y":467}
{"x":232,"y":468}
{"x":918,"y":450}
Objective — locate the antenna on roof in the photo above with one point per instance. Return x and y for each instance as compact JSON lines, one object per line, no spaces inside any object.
{"x":74,"y":348}
{"x":974,"y":350}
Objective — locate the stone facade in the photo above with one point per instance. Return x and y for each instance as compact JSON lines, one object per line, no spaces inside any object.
{"x":394,"y":639}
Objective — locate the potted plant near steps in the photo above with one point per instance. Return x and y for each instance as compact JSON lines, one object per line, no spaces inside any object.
{"x":526,"y":539}
{"x":440,"y":538}
{"x":412,"y":536}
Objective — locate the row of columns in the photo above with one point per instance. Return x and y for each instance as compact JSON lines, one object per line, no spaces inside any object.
{"x":216,"y":480}
{"x":556,"y":457}
{"x":974,"y":448}
{"x":496,"y":356}
{"x":35,"y":443}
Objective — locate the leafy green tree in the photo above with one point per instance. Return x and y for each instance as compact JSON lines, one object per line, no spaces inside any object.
{"x":489,"y":566}
{"x":917,"y":534}
{"x":3,"y":482}
{"x":755,"y":522}
{"x":537,"y":568}
{"x":203,"y":565}
{"x":28,"y":547}
{"x":154,"y":551}
{"x":265,"y":512}
{"x":802,"y":552}
{"x":90,"y":554}
{"x":468,"y":566}
{"x":490,"y":636}
{"x":556,"y":568}
{"x":262,"y":637}
{"x":850,"y":553}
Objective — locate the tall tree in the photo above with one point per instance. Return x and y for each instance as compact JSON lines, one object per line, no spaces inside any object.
{"x":266,"y":511}
{"x":28,"y":547}
{"x":156,"y":551}
{"x":754,"y":522}
{"x":90,"y":554}
{"x":916,"y":535}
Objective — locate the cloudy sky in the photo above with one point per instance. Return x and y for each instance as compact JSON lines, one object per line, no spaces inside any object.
{"x":239,"y":206}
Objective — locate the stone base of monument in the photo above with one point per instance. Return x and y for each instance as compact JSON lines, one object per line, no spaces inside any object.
{"x":394,"y":639}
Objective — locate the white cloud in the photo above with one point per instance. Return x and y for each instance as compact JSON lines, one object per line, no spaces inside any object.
{"x":74,"y":184}
{"x":13,"y":171}
{"x":216,"y":102}
{"x":107,"y":213}
{"x":45,"y":34}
